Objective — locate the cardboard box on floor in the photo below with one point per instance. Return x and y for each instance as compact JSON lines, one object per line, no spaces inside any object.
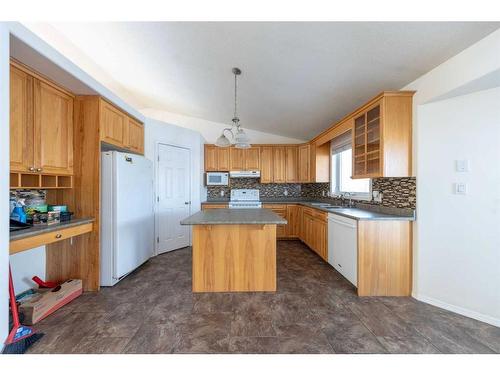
{"x":44,"y":304}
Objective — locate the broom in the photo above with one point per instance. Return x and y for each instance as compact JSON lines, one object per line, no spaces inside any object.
{"x":20,"y":337}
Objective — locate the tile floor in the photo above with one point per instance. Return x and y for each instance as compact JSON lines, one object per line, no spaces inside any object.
{"x":314,"y":311}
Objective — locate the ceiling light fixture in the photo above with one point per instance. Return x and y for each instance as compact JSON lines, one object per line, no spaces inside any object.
{"x":237,"y":134}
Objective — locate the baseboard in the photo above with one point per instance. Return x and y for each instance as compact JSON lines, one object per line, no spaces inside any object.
{"x":457,"y":309}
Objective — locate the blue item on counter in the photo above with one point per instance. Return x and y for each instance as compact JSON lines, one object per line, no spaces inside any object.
{"x":18,"y":214}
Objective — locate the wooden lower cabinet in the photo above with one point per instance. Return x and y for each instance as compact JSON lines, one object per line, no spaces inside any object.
{"x":314,"y":231}
{"x":384,"y":258}
{"x":209,"y":206}
{"x":320,"y":236}
{"x":384,"y":248}
{"x":280,"y":209}
{"x":294,"y":220}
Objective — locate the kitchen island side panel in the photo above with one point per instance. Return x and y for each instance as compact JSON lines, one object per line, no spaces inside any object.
{"x":234,"y":258}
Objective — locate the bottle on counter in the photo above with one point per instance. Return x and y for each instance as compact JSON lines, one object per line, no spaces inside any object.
{"x":18,"y":213}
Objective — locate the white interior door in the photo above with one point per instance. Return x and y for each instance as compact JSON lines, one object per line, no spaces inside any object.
{"x":173,"y":198}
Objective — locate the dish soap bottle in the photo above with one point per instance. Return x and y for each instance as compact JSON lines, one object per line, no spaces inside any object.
{"x":18,"y":213}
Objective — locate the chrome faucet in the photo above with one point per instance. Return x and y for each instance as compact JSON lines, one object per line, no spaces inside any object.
{"x":349,"y":204}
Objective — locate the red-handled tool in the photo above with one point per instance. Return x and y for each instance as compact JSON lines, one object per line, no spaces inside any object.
{"x":20,"y":337}
{"x":44,"y":284}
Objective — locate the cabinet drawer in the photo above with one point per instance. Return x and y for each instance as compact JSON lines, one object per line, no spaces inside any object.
{"x":308,"y":211}
{"x":208,"y":206}
{"x":273,"y":206}
{"x":47,"y":238}
{"x":321,"y":215}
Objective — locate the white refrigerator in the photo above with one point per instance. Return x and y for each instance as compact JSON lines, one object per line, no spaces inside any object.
{"x":127,"y":216}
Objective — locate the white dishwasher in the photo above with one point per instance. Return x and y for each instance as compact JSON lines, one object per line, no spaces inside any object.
{"x":343,"y":246}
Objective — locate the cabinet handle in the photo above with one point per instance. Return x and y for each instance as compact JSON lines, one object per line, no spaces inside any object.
{"x":31,"y":169}
{"x":58,"y":235}
{"x":39,"y":169}
{"x":339,"y":265}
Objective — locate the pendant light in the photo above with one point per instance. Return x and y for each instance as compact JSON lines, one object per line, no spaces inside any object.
{"x":236,"y":132}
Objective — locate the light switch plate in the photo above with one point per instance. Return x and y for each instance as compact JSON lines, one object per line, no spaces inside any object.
{"x":460,"y":188}
{"x":462,"y":165}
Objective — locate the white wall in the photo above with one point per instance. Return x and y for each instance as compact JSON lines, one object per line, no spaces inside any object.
{"x":161,"y":132}
{"x":212,"y":130}
{"x":4,"y":179}
{"x":472,"y":70}
{"x":459,"y":235}
{"x":25,"y":265}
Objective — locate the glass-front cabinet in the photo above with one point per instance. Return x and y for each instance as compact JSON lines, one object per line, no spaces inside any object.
{"x":366,"y":141}
{"x":382,"y":136}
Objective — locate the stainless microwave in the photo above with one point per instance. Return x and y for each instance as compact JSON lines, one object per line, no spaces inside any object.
{"x":217,"y":178}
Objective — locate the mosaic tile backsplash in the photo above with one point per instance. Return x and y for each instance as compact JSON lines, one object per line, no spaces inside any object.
{"x":396,"y":192}
{"x":266,"y":190}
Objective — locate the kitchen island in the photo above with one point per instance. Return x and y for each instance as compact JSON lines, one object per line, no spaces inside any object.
{"x":234,"y":250}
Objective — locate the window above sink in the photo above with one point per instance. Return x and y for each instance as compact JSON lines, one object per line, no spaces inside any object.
{"x":340,"y":176}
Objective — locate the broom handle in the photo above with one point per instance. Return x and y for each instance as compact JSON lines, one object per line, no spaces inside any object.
{"x":13,"y":305}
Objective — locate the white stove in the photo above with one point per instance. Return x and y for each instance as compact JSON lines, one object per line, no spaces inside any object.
{"x":245,"y":198}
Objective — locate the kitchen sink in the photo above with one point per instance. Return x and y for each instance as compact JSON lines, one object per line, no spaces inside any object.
{"x":325,"y":205}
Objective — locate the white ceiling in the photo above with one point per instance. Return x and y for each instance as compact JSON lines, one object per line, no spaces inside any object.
{"x":297,"y":78}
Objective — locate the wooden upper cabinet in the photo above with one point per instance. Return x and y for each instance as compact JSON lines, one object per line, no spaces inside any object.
{"x":279,"y":164}
{"x":304,"y":163}
{"x":135,"y":136}
{"x":381,"y":137}
{"x":291,"y":164}
{"x":236,"y":159}
{"x":53,"y":114}
{"x":210,"y":157}
{"x":252,"y":158}
{"x":216,"y":158}
{"x":41,"y":124}
{"x":321,"y":163}
{"x":114,"y":125}
{"x":119,"y":129}
{"x":223,"y":159}
{"x":366,"y":156}
{"x":266,"y":164}
{"x":21,"y":121}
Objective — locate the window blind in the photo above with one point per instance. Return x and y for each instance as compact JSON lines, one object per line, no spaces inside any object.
{"x":341,"y":143}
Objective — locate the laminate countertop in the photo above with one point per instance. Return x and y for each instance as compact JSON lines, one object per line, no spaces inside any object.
{"x":44,"y":228}
{"x":230,"y":216}
{"x":374,"y":213}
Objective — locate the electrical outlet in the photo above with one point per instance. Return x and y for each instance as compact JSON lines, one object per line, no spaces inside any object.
{"x":377,"y":196}
{"x":460,"y":188}
{"x":462,"y":165}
